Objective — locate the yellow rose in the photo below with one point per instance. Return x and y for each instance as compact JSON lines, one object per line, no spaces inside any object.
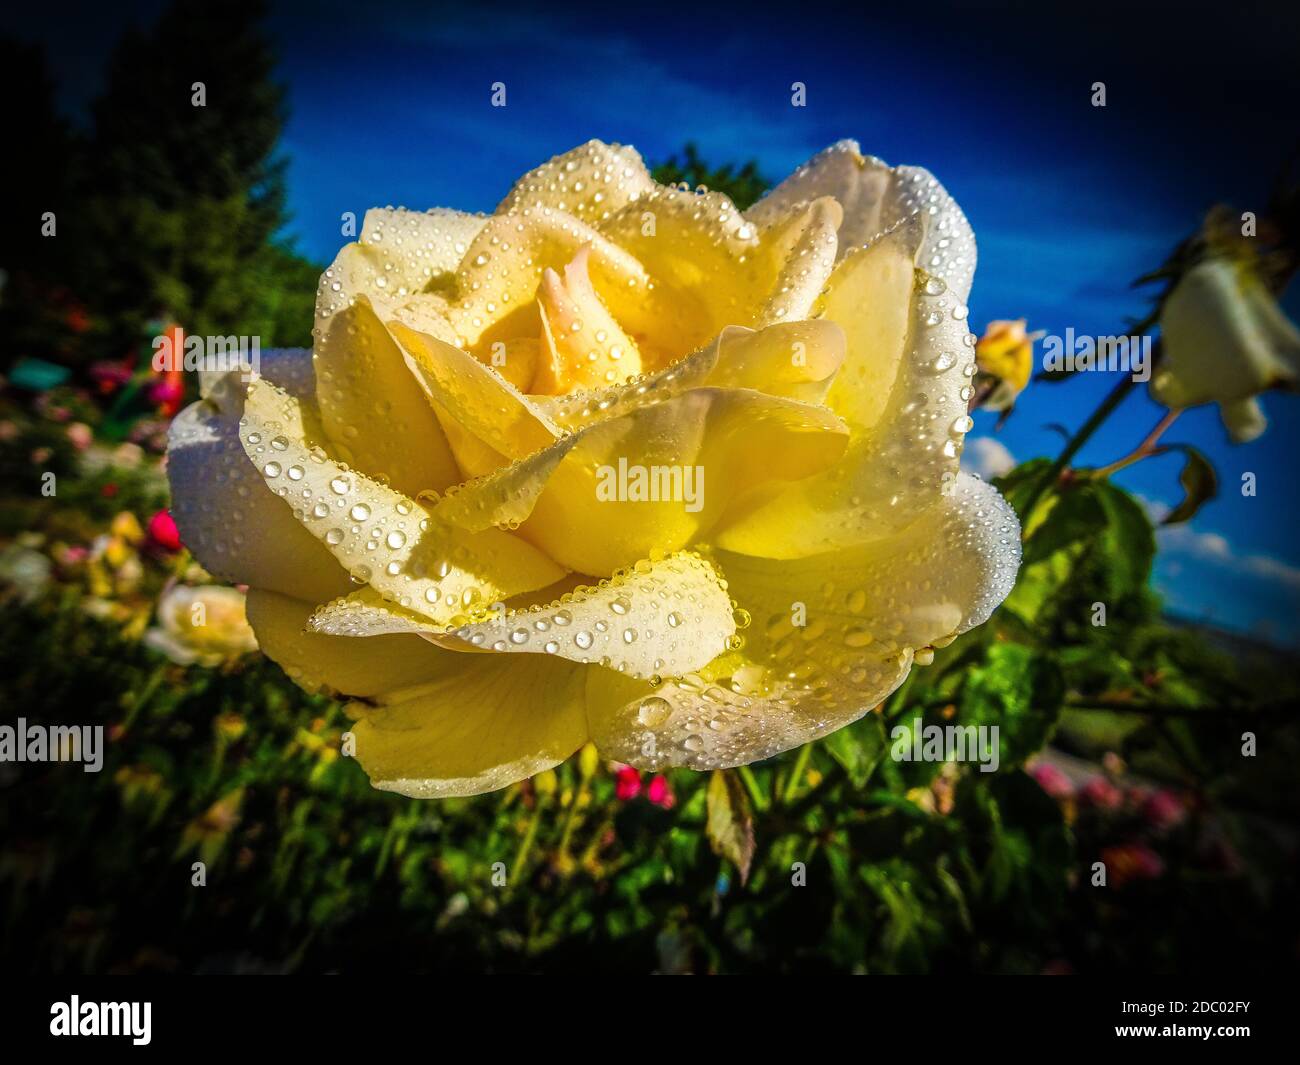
{"x":1225,"y":341}
{"x":618,"y":463}
{"x":1005,"y":353}
{"x":206,"y":625}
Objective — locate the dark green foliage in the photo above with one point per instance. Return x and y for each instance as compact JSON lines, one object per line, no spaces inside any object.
{"x":743,"y":184}
{"x":165,"y":210}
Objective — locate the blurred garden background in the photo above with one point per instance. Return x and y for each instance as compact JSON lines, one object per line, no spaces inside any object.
{"x":1123,"y":743}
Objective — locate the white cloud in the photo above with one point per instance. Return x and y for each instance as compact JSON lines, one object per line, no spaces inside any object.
{"x":1212,"y":547}
{"x":987,"y":457}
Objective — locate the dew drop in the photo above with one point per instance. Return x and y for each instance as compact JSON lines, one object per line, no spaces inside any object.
{"x":653,"y":712}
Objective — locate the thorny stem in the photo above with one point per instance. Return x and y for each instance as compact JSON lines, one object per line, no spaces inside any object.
{"x":1144,"y":450}
{"x":1053,"y":476}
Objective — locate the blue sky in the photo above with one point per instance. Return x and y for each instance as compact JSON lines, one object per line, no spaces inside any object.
{"x":389,"y":104}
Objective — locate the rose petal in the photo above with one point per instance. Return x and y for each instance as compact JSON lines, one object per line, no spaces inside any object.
{"x":374,"y":414}
{"x":712,"y":446}
{"x":492,"y":722}
{"x":237,"y":529}
{"x":1244,"y":419}
{"x":870,"y":295}
{"x":1225,"y":338}
{"x":897,"y":464}
{"x":807,"y":260}
{"x":420,"y":246}
{"x":474,"y":397}
{"x":797,"y":360}
{"x":378,"y":535}
{"x":590,"y":182}
{"x":705,"y":260}
{"x":666,"y":616}
{"x":583,"y":345}
{"x":340,"y":666}
{"x":875,"y":197}
{"x":496,"y":282}
{"x":866,"y":611}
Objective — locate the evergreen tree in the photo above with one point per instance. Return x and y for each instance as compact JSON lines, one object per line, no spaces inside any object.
{"x":744,"y":184}
{"x":184,"y":191}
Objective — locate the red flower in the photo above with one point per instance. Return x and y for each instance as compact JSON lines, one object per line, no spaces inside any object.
{"x":167,"y":394}
{"x":627,"y":783}
{"x":660,"y":792}
{"x":163,"y":532}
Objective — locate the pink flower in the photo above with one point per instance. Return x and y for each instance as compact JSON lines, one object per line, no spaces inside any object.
{"x":166,"y":395}
{"x":1052,"y":780}
{"x":81,"y":436}
{"x":1100,"y":793}
{"x":1164,"y":810}
{"x":163,"y":532}
{"x":660,"y":792}
{"x":627,"y":783}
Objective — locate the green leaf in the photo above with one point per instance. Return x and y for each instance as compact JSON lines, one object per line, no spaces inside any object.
{"x":1017,"y":486}
{"x":1199,"y":481}
{"x":1074,"y":515}
{"x":744,"y":184}
{"x":1130,"y":541}
{"x":730,"y":824}
{"x":1020,"y":691}
{"x":858,"y":748}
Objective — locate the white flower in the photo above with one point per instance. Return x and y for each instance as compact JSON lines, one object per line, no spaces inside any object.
{"x":1225,"y":341}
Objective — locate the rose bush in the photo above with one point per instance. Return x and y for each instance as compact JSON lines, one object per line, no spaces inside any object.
{"x":416,"y":504}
